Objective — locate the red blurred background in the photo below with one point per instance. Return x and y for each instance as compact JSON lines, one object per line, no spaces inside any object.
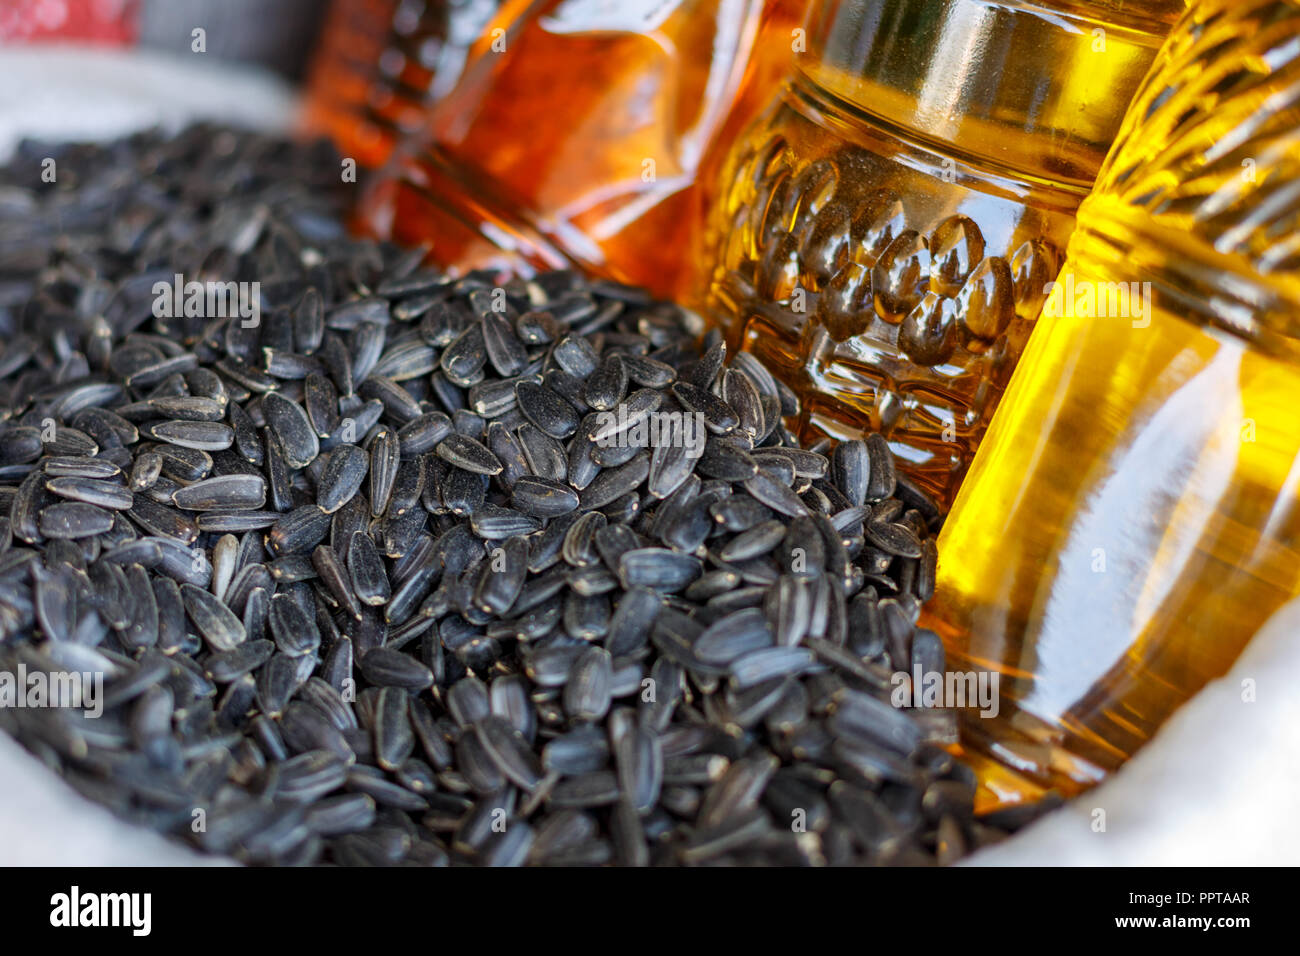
{"x":111,"y":22}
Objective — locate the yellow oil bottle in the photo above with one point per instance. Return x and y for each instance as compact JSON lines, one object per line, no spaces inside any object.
{"x":1133,"y":515}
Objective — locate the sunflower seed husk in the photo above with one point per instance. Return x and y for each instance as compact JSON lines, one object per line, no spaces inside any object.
{"x":224,"y":493}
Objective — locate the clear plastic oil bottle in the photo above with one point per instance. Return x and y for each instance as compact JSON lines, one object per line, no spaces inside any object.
{"x":886,"y":227}
{"x":1133,"y":515}
{"x":580,"y":133}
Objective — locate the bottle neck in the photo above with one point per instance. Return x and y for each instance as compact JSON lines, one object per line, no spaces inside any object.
{"x":1037,"y":88}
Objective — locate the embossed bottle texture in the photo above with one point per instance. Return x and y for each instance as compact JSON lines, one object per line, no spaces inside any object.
{"x":889,"y":226}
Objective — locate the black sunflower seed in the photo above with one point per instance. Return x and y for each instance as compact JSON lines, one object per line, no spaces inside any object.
{"x":607,"y":385}
{"x":295,"y":633}
{"x":576,"y":356}
{"x":547,"y":410}
{"x":299,"y":531}
{"x":512,"y":753}
{"x":369,"y":579}
{"x":896,"y":539}
{"x":587,"y":690}
{"x":569,"y":608}
{"x":632,"y":412}
{"x":504,"y":350}
{"x":468,"y":454}
{"x":613,"y":483}
{"x":734,"y":636}
{"x":882,"y":479}
{"x":291,"y":426}
{"x":423,"y":434}
{"x":760,"y":539}
{"x":103,"y":494}
{"x":74,"y":519}
{"x":386,"y":667}
{"x":344,"y":473}
{"x":780,"y":498}
{"x":719,"y":417}
{"x":502,"y":576}
{"x":215,"y":622}
{"x":658,"y":569}
{"x":226,"y":493}
{"x":385,"y":459}
{"x":542,"y":497}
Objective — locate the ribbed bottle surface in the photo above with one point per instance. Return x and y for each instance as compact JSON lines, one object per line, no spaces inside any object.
{"x":1133,"y":516}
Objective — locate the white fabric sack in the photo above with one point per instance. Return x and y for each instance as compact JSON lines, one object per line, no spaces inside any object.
{"x":1216,"y":786}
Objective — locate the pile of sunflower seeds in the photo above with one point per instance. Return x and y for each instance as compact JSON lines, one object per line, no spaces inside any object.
{"x":393,"y":574}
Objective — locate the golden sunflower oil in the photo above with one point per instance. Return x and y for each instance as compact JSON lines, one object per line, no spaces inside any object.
{"x":1133,"y":516}
{"x":885,"y":229}
{"x":582,"y":133}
